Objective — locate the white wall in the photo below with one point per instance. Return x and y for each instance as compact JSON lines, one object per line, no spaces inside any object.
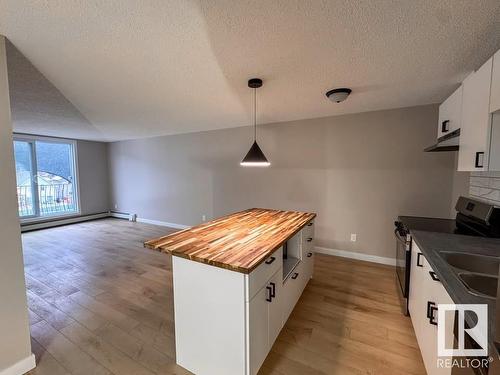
{"x":15,"y":349}
{"x":358,"y":172}
{"x":93,"y":177}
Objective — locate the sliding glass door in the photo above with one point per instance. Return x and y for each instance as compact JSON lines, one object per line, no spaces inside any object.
{"x":26,"y":195}
{"x":46,"y":177}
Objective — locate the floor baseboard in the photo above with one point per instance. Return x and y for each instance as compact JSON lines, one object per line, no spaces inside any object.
{"x":126,"y":216}
{"x":354,"y":255}
{"x":59,"y":222}
{"x":162,"y":223}
{"x":21,"y":367}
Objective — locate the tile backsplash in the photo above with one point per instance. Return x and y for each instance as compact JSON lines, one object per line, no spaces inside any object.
{"x":485,"y":186}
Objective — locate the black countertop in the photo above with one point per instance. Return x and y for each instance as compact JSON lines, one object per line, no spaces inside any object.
{"x":431,"y":244}
{"x":429,"y":224}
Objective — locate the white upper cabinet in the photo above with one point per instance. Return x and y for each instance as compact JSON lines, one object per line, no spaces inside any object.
{"x":476,"y":120}
{"x":495,"y":84}
{"x":450,"y":113}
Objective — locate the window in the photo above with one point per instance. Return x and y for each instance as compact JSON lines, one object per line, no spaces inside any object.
{"x":46,"y":177}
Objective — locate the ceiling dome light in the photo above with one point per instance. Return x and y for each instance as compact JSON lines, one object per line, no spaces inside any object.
{"x":338,"y":95}
{"x":255,"y":157}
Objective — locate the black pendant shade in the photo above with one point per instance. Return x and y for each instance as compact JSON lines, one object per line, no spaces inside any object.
{"x":255,"y":157}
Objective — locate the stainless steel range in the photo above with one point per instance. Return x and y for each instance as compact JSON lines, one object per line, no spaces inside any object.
{"x":473,"y":218}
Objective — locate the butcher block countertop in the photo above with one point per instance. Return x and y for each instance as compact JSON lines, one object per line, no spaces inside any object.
{"x":238,"y":242}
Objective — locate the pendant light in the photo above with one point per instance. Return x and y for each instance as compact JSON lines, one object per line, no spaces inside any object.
{"x":255,"y":157}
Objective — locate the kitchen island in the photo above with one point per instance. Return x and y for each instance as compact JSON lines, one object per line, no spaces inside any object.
{"x":236,"y":280}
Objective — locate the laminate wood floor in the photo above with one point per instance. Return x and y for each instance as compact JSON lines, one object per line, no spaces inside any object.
{"x":100,"y":303}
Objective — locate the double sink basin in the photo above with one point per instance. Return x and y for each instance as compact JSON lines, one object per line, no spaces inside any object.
{"x":479,"y":273}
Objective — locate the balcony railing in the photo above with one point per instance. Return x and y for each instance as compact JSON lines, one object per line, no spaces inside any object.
{"x":52,"y":200}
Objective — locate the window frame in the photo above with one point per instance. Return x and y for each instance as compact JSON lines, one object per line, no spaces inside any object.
{"x":76,"y":184}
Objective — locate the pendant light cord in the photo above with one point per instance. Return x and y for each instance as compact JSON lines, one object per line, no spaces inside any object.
{"x":255,"y":115}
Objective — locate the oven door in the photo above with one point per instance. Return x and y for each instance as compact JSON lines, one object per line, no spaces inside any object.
{"x":403,"y":264}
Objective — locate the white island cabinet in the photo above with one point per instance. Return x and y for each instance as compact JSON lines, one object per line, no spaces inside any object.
{"x":235,"y":286}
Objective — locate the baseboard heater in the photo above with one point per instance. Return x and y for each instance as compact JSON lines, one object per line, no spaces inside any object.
{"x":26,"y":227}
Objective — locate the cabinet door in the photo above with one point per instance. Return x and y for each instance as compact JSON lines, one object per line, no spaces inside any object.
{"x":435,"y":295}
{"x":474,"y":135}
{"x":495,"y":84}
{"x":292,"y":289}
{"x":259,"y":328}
{"x":275,"y":308}
{"x":308,"y":265}
{"x":450,"y":113}
{"x":416,"y":294}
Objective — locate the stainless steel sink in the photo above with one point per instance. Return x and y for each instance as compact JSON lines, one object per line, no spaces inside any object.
{"x":479,"y":273}
{"x":481,"y":285}
{"x":472,"y":262}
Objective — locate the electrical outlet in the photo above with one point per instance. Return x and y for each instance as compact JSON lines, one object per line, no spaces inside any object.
{"x":353,"y":237}
{"x":203,"y":217}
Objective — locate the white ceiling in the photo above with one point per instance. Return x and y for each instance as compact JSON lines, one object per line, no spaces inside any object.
{"x":38,"y":107}
{"x":143,"y":68}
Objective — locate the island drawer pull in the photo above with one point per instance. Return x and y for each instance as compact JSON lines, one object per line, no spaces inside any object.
{"x":309,"y":255}
{"x":418,"y":260}
{"x":273,"y":290}
{"x":270,"y":260}
{"x":309,"y":239}
{"x":269,"y":298}
{"x":295,"y":275}
{"x":311,"y":223}
{"x":434,"y":276}
{"x":431,"y":307}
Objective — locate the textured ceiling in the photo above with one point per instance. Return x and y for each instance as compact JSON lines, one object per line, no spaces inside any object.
{"x":143,"y":68}
{"x":38,"y":107}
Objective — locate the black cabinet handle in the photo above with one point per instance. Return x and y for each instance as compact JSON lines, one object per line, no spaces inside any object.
{"x":295,"y":275}
{"x":309,"y":239}
{"x":270,"y":260}
{"x":418,"y":260}
{"x":431,"y":308}
{"x":273,"y":290}
{"x":434,"y":276}
{"x":309,"y":255}
{"x":269,"y":298}
{"x":444,"y":126}
{"x":309,"y":224}
{"x":479,"y":163}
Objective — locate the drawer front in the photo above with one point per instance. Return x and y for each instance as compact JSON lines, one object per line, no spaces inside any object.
{"x":307,"y":239}
{"x":259,"y":276}
{"x":308,"y":261}
{"x":292,"y":289}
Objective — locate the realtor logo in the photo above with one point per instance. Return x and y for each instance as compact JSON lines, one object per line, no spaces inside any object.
{"x":478,"y":333}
